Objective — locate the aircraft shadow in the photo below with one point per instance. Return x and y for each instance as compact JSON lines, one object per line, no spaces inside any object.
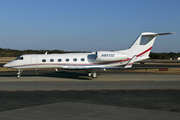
{"x":59,"y":74}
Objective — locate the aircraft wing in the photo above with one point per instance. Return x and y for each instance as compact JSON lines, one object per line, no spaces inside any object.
{"x":87,"y":67}
{"x":130,"y":63}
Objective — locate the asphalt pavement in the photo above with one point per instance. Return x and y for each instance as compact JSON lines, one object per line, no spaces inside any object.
{"x":71,"y":95}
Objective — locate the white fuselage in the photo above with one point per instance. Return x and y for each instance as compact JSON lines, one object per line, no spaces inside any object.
{"x":68,"y":61}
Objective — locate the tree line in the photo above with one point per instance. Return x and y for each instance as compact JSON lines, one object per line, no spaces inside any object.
{"x":15,"y":53}
{"x":164,"y":55}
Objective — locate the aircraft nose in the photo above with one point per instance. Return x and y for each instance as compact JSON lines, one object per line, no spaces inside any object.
{"x":6,"y":65}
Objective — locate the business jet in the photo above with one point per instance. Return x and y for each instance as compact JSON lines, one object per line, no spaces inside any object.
{"x":138,"y":51}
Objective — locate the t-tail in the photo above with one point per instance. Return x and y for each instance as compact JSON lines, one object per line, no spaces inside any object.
{"x":142,"y":46}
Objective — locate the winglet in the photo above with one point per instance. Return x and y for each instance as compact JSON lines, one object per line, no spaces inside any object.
{"x":130,"y":63}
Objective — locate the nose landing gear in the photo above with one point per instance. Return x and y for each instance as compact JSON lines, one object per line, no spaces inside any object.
{"x":19,"y":73}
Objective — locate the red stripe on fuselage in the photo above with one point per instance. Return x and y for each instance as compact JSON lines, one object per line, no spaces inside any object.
{"x":144,"y":52}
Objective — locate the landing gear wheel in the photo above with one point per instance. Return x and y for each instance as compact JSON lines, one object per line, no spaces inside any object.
{"x":18,"y":76}
{"x":89,"y":74}
{"x":94,"y":75}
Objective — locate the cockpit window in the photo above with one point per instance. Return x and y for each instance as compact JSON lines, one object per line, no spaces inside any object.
{"x":19,"y":58}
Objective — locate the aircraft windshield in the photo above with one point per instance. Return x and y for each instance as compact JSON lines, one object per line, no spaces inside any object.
{"x":19,"y":58}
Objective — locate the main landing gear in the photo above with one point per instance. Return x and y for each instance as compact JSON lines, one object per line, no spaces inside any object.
{"x":91,"y":73}
{"x":19,"y":73}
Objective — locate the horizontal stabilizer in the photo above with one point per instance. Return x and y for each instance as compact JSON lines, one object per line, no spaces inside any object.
{"x":158,"y":34}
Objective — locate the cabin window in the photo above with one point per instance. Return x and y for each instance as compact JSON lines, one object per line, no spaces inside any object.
{"x":82,"y":59}
{"x":59,"y":60}
{"x":67,"y":60}
{"x":74,"y":59}
{"x":43,"y":60}
{"x":51,"y":60}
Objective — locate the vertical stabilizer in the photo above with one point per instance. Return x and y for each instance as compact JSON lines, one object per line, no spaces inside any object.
{"x":143,"y":45}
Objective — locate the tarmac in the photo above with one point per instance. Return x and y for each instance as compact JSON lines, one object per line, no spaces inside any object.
{"x":72,"y":95}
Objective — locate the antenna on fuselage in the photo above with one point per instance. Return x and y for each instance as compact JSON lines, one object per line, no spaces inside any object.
{"x":46,"y":52}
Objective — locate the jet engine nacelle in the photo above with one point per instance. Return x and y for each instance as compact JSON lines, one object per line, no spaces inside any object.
{"x":110,"y":56}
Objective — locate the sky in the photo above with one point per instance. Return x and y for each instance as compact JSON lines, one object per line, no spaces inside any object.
{"x":87,"y":25}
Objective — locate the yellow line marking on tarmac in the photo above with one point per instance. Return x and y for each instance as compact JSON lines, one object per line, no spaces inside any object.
{"x":60,"y":90}
{"x":11,"y":90}
{"x":113,"y":89}
{"x":161,"y":89}
{"x":129,"y":89}
{"x":175,"y":89}
{"x":97,"y":89}
{"x":28,"y":90}
{"x":87,"y":90}
{"x":81,"y":90}
{"x":145,"y":89}
{"x":46,"y":90}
